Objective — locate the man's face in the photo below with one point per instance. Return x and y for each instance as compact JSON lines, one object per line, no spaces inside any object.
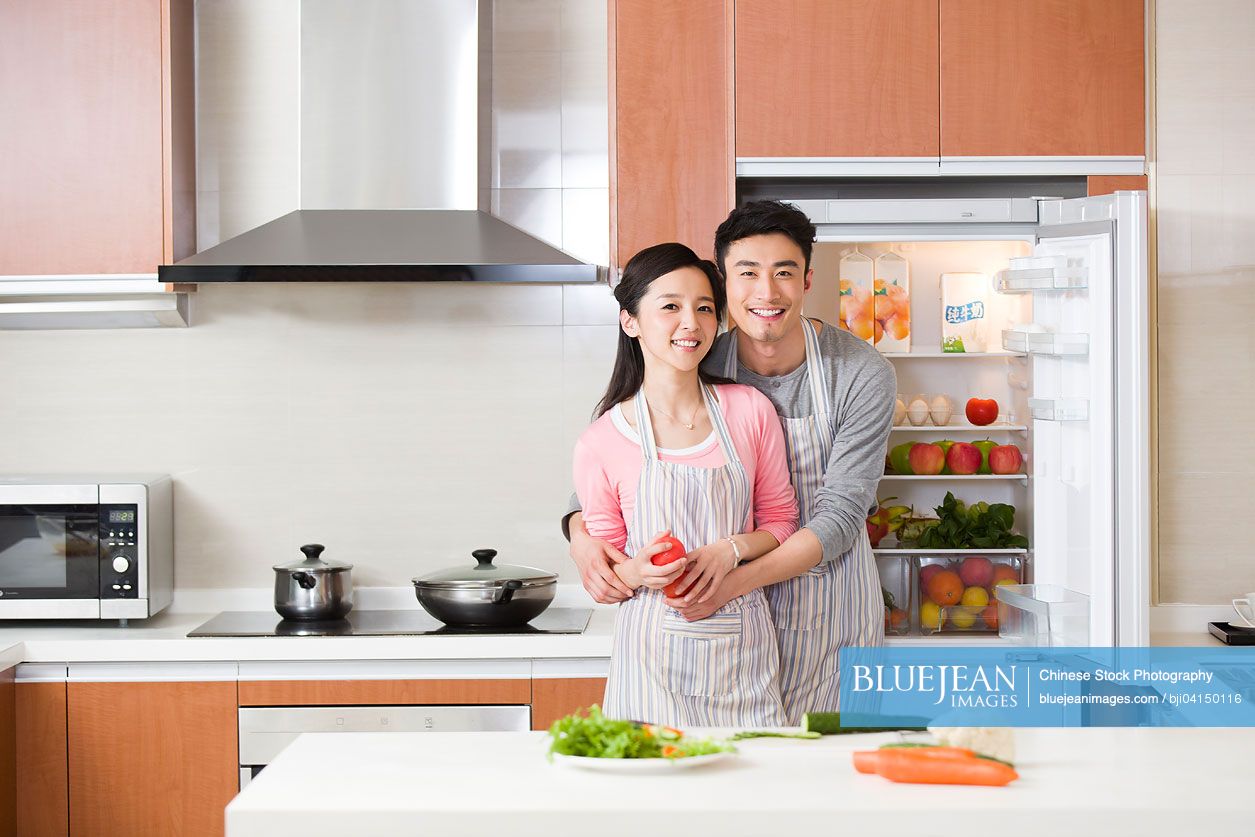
{"x":766,"y":281}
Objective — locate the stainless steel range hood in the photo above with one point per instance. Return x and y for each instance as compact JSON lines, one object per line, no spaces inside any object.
{"x":394,"y":111}
{"x":382,"y":245}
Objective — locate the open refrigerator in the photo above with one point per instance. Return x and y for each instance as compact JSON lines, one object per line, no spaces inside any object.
{"x":1065,"y":356}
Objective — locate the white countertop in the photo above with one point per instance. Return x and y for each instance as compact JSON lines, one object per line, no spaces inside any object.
{"x":1080,"y":781}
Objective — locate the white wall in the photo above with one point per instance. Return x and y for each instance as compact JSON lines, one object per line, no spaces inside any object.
{"x":1204,"y":183}
{"x":401,"y":425}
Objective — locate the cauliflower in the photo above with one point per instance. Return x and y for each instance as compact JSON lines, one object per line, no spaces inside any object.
{"x":998,"y":742}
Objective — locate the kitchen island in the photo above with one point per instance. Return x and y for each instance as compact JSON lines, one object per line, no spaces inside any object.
{"x":1072,"y":781}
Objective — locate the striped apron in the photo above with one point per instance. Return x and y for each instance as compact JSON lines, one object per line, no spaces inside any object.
{"x":837,"y":603}
{"x":719,"y":671}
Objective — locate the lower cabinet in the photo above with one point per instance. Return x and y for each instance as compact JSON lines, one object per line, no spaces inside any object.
{"x":554,"y":697}
{"x":43,"y":794}
{"x":8,"y":751}
{"x":151,"y":759}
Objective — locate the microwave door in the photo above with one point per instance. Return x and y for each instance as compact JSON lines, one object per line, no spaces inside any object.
{"x":49,"y":552}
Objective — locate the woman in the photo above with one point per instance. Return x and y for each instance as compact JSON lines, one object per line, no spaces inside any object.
{"x":675,"y":451}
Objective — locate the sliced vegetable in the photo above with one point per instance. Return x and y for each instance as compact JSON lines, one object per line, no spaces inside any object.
{"x":758,"y":733}
{"x":592,"y":734}
{"x":829,"y":723}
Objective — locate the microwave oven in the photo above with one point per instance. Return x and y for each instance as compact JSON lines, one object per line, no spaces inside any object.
{"x":86,"y":547}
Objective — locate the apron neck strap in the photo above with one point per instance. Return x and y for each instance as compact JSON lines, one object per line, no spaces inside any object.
{"x":645,"y":426}
{"x":820,"y":396}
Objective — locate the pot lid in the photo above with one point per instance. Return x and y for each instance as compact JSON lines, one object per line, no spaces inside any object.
{"x":313,"y":562}
{"x":487,"y":574}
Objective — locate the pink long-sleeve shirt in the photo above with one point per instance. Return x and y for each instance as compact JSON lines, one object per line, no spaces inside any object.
{"x":607,"y":466}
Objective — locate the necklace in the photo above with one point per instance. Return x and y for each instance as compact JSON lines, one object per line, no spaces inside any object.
{"x":689,"y":425}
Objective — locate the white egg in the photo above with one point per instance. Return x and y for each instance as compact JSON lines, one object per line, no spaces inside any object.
{"x":899,"y":411}
{"x":917,"y":412}
{"x":941,"y":409}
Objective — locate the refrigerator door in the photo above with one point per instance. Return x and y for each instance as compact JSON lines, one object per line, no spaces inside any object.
{"x":1090,"y":412}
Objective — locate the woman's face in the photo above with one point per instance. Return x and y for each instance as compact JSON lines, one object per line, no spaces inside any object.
{"x":675,"y":322}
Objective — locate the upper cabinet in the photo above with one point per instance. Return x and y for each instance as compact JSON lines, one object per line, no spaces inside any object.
{"x":1042,"y":79}
{"x":671,"y":175}
{"x":837,"y":78}
{"x":97,"y":167}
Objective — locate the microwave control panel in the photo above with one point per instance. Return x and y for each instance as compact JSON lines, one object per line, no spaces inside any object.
{"x":120,"y":530}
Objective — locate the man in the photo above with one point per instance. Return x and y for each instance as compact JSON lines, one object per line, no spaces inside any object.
{"x":835,"y":395}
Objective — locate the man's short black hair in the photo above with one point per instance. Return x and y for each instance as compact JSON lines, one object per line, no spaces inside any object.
{"x":764,"y":218}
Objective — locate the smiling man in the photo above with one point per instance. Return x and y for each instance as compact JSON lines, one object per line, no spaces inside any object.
{"x":834,"y":393}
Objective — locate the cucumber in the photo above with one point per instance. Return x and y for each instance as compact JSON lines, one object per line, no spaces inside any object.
{"x":829,"y":723}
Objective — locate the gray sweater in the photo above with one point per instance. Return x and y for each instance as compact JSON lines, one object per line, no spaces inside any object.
{"x":863,"y":388}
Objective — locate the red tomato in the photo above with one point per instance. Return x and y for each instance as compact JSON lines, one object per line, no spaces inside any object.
{"x":982,"y":411}
{"x":675,"y":553}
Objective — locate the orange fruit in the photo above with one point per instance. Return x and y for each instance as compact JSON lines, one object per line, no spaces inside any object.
{"x":990,"y":615}
{"x":879,"y":331}
{"x":945,"y":588}
{"x":861,"y":327}
{"x":899,"y":327}
{"x":1003,"y":572}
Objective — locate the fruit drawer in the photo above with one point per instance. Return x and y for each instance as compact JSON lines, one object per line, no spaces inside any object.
{"x":895,"y":587}
{"x":956,"y":594}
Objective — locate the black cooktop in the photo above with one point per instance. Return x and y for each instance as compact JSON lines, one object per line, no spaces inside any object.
{"x":555,"y":620}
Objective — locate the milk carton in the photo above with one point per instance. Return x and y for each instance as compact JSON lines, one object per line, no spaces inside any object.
{"x":964,"y":311}
{"x":857,"y":309}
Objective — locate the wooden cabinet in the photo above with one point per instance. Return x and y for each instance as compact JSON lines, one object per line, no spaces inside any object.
{"x":43,"y":796}
{"x":1042,"y":78}
{"x":671,"y":171}
{"x":554,"y":697}
{"x":8,"y":752}
{"x":1105,"y":185}
{"x":151,"y":759}
{"x":838,"y":78}
{"x":97,"y":167}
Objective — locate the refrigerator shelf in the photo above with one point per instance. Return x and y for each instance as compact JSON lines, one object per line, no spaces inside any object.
{"x":1045,"y":343}
{"x":896,"y":550}
{"x":933,"y":355}
{"x":1059,"y":409}
{"x":956,"y":477}
{"x":961,"y":427}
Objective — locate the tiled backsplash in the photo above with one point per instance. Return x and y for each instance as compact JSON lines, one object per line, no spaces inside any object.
{"x":1204,"y":180}
{"x":401,"y":425}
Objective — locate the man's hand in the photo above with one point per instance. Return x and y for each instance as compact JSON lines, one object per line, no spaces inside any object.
{"x":721,"y":595}
{"x":707,"y":567}
{"x":595,"y":559}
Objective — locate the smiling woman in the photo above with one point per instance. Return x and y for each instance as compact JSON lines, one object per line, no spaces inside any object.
{"x":675,"y":450}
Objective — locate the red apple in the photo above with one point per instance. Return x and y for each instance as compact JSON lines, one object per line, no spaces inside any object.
{"x":963,"y":458}
{"x":876,"y":531}
{"x":1005,"y":459}
{"x":982,"y":411}
{"x":926,"y":459}
{"x":976,"y":571}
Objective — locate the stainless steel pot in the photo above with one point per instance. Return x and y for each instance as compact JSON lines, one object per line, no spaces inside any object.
{"x":486,"y":595}
{"x":314,"y":588}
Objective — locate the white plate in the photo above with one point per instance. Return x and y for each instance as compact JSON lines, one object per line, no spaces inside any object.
{"x":1242,"y":626}
{"x":658,"y":765}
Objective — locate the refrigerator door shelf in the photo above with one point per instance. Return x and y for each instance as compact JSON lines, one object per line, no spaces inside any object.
{"x":1021,"y":280}
{"x":1045,"y":343}
{"x":1043,"y":615}
{"x":1059,"y":409}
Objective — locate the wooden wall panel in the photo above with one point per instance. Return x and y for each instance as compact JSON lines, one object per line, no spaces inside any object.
{"x":383,"y":692}
{"x":552,"y":698}
{"x":151,"y":759}
{"x":81,"y":150}
{"x":839,"y":78}
{"x":1042,"y":78}
{"x":1106,"y":184}
{"x":672,"y":167}
{"x":8,"y":753}
{"x":43,"y":794}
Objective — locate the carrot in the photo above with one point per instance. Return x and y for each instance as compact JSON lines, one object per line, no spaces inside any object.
{"x":930,"y":751}
{"x":934,"y":766}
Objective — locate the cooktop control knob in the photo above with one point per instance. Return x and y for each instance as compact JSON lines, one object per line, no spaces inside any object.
{"x":121,"y":564}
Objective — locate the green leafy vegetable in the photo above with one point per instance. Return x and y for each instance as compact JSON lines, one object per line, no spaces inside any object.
{"x":980,"y":526}
{"x":593,"y":735}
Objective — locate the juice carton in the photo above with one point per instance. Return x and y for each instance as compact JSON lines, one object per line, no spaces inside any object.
{"x":892,"y":303}
{"x":857,"y":310}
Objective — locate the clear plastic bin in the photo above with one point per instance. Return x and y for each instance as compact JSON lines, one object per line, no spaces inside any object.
{"x":1043,"y":615}
{"x":895,"y":587}
{"x":962,"y":601}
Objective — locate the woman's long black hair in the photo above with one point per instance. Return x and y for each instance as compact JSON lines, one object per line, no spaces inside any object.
{"x":638,"y":274}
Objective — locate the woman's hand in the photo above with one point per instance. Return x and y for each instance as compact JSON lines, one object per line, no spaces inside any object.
{"x":707,"y":567}
{"x":639,"y":571}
